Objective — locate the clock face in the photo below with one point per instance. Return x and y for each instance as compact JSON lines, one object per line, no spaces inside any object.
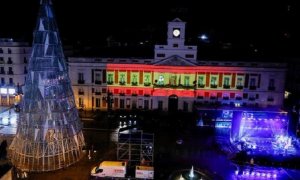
{"x":176,"y":32}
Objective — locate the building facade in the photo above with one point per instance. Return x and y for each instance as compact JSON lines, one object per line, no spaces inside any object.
{"x":13,"y":68}
{"x":174,"y":80}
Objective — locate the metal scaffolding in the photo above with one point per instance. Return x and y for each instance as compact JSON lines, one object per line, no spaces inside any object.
{"x":136,"y":147}
{"x":49,"y":134}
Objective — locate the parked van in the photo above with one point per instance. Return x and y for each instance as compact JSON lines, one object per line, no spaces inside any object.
{"x":144,"y":172}
{"x":110,"y":169}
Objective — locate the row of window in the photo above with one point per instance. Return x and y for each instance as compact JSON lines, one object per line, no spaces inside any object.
{"x":8,"y":51}
{"x":10,"y":70}
{"x":10,"y":61}
{"x":10,"y":81}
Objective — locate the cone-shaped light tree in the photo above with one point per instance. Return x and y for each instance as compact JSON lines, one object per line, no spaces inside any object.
{"x":49,"y":134}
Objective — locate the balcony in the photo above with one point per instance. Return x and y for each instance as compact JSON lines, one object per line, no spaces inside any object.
{"x":161,"y":86}
{"x":213,"y":86}
{"x":9,"y":61}
{"x":200,"y":97}
{"x":110,"y":82}
{"x":2,"y":72}
{"x":252,"y":87}
{"x":225,"y":98}
{"x":239,"y":87}
{"x":147,"y":84}
{"x":97,"y":93}
{"x":201,"y":85}
{"x":213,"y":97}
{"x":270,"y":99}
{"x":134,"y":83}
{"x":80,"y":92}
{"x":271,"y":88}
{"x":251,"y":98}
{"x":80,"y":81}
{"x":98,"y":82}
{"x":188,"y":87}
{"x":238,"y":98}
{"x":226,"y":86}
{"x":122,"y":83}
{"x":10,"y":72}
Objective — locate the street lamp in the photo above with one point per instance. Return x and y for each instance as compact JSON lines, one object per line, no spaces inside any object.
{"x":109,"y":100}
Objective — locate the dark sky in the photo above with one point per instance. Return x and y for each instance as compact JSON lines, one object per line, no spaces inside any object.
{"x":268,"y":26}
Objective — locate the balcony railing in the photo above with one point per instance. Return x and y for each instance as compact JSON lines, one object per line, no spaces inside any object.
{"x":134,"y":83}
{"x":201,"y":85}
{"x":251,"y":98}
{"x":80,"y":92}
{"x":213,"y":97}
{"x":110,"y":82}
{"x":10,"y":72}
{"x":147,"y":84}
{"x":270,"y":99}
{"x":226,"y":86}
{"x":98,"y":82}
{"x":80,"y":81}
{"x":238,"y":98}
{"x":97,"y":93}
{"x":213,"y":86}
{"x":252,"y":87}
{"x":239,"y":87}
{"x":174,"y":86}
{"x":271,"y":88}
{"x":225,"y":98}
{"x":122,"y":83}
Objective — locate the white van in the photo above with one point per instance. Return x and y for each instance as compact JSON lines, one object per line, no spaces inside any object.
{"x":144,"y":172}
{"x":110,"y":169}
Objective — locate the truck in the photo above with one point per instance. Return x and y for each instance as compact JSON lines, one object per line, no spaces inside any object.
{"x":110,"y":169}
{"x":144,"y":172}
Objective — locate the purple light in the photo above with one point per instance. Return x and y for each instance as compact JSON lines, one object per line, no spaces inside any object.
{"x":274,"y":175}
{"x":268,"y":175}
{"x":257,"y":174}
{"x":247,"y":173}
{"x":263,"y":174}
{"x":253,"y":173}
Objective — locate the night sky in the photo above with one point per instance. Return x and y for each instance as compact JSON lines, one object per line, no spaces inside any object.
{"x":243,"y":28}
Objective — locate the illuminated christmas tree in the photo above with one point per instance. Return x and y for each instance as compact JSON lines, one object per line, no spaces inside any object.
{"x":49,"y":134}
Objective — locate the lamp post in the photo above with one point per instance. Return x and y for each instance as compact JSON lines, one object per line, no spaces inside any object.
{"x":109,"y":100}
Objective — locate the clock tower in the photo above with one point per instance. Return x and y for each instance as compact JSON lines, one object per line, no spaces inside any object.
{"x":175,"y":43}
{"x":176,"y":32}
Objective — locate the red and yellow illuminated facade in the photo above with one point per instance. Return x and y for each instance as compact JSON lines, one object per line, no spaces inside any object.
{"x":174,"y":80}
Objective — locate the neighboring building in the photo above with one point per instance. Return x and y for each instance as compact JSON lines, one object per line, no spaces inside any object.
{"x":174,"y":79}
{"x":13,"y":68}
